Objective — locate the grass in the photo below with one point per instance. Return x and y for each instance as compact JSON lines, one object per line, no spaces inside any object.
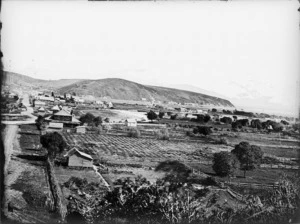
{"x":63,"y":174}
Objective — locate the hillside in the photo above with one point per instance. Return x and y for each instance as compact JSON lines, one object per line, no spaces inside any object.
{"x":14,"y":79}
{"x":126,"y":90}
{"x":113,"y":88}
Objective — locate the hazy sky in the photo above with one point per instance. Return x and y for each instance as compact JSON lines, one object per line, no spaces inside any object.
{"x":247,"y":51}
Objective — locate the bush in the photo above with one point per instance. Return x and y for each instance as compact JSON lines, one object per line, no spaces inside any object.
{"x":204,"y":130}
{"x":134,"y":132}
{"x":162,"y":134}
{"x":226,"y":120}
{"x":223,"y":141}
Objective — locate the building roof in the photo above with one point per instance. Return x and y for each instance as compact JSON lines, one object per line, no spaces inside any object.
{"x":130,"y":120}
{"x":75,"y":150}
{"x":80,"y":127}
{"x":39,"y":102}
{"x":55,"y":108}
{"x":62,"y":113}
{"x":46,"y":98}
{"x":41,"y":109}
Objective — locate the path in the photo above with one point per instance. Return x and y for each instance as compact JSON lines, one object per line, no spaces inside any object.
{"x":10,"y":133}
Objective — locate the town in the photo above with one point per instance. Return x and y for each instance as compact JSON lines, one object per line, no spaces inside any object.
{"x":71,"y":150}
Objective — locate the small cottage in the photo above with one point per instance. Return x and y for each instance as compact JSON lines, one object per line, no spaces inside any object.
{"x":80,"y":129}
{"x":130,"y":123}
{"x":77,"y":158}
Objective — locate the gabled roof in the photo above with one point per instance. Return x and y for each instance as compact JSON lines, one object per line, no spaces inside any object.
{"x":75,"y":150}
{"x":130,"y":120}
{"x":55,"y":108}
{"x":41,"y":109}
{"x":62,"y":113}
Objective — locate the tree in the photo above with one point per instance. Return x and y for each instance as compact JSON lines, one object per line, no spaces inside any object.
{"x":97,"y":121}
{"x":106,"y":120}
{"x":226,"y":120}
{"x":248,"y":155}
{"x":87,"y":118}
{"x":204,"y":130}
{"x":224,"y":164}
{"x":54,"y":143}
{"x":214,"y":110}
{"x":161,"y":114}
{"x":151,"y":115}
{"x":40,"y":122}
{"x":255,"y":123}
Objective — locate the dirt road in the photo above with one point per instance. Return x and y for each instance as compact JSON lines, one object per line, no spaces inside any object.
{"x":10,"y":133}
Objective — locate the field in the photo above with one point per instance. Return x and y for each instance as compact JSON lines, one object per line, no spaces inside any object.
{"x":128,"y":157}
{"x":63,"y":174}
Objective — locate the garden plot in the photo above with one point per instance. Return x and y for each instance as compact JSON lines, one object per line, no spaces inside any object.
{"x":127,"y":149}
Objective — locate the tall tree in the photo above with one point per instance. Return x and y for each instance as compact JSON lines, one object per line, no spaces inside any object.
{"x":54,"y":143}
{"x":248,"y":155}
{"x":224,"y":163}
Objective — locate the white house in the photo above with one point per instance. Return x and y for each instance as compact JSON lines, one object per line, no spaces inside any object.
{"x":80,"y":129}
{"x":77,"y":158}
{"x":130,"y":122}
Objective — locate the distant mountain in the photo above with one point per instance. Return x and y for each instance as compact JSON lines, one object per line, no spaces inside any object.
{"x":115,"y":88}
{"x":196,"y":89}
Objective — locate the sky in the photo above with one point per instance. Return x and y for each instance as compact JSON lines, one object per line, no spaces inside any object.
{"x":247,"y":51}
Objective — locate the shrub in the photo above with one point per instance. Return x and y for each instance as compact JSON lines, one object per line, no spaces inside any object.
{"x":162,"y":134}
{"x":204,"y":130}
{"x":223,"y":141}
{"x":134,"y":132}
{"x":226,"y":120}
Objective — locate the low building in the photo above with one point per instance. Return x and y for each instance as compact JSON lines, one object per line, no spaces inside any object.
{"x":131,"y":122}
{"x":81,"y":129}
{"x":38,"y":103}
{"x":53,"y":126}
{"x":46,"y":99}
{"x":77,"y":158}
{"x":64,"y":117}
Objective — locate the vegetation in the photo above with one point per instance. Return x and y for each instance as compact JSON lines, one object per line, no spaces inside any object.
{"x":204,"y":130}
{"x":224,"y":164}
{"x":248,"y":155}
{"x":226,"y":120}
{"x":162,"y":134}
{"x":54,"y":143}
{"x":151,"y":115}
{"x":134,"y":132}
{"x":40,"y":122}
{"x":90,"y":119}
{"x":161,"y":114}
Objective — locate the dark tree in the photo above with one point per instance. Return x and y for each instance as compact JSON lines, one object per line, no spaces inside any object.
{"x":255,"y":123}
{"x":161,"y":114}
{"x":40,"y":122}
{"x":224,"y":163}
{"x":106,"y":120}
{"x":87,"y":118}
{"x":97,"y":121}
{"x":54,"y":143}
{"x":214,"y":110}
{"x":151,"y":115}
{"x":204,"y":130}
{"x":248,"y":155}
{"x":226,"y":120}
{"x":174,"y":116}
